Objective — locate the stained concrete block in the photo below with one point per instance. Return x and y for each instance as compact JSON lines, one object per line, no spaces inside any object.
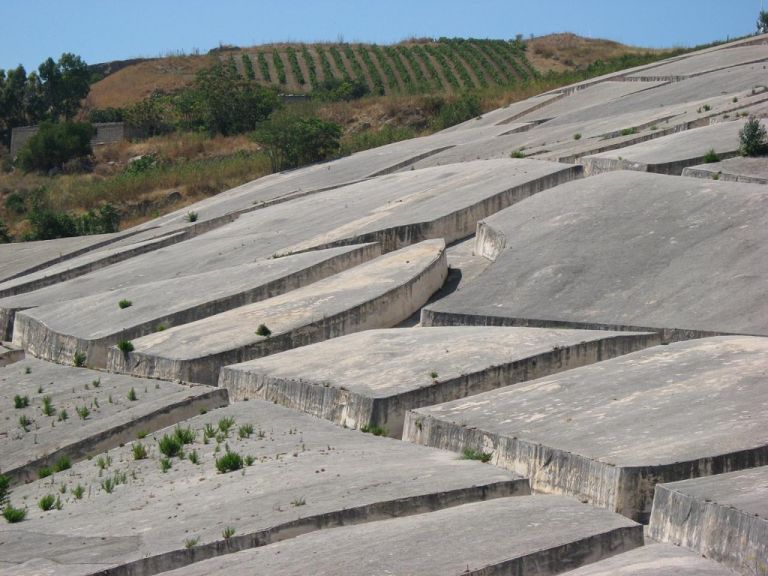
{"x":19,"y":258}
{"x":698,"y":64}
{"x":112,"y":418}
{"x":608,"y":432}
{"x":449,"y":209}
{"x":723,"y":517}
{"x":10,"y":354}
{"x":526,"y":535}
{"x":739,"y":169}
{"x":654,"y":560}
{"x":671,"y":154}
{"x":623,"y":250}
{"x":307,"y":474}
{"x":261,"y":233}
{"x":378,"y":294}
{"x":92,"y":324}
{"x":372,"y":378}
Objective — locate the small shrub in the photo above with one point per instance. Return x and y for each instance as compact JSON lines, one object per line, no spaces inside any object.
{"x":229,"y":462}
{"x":54,"y":144}
{"x":82,"y":411}
{"x":225,"y":424}
{"x":48,"y":502}
{"x":228,"y":532}
{"x":194,"y":458}
{"x":374,"y":429}
{"x":20,"y":401}
{"x":63,"y":415}
{"x":125,"y":346}
{"x":191,"y":542}
{"x":711,"y":157}
{"x":433,"y":375}
{"x":707,"y":107}
{"x":132,"y":394}
{"x":628,"y":131}
{"x":753,"y":138}
{"x":44,"y":472}
{"x":471,"y":454}
{"x":209,"y":431}
{"x":48,"y":408}
{"x":170,"y":445}
{"x":139,"y":451}
{"x":78,"y":492}
{"x":299,"y":501}
{"x":78,"y":359}
{"x":262,"y":330}
{"x":191,"y":217}
{"x":245,"y":430}
{"x":124,"y":304}
{"x":27,"y":370}
{"x":184,"y":435}
{"x":63,"y":463}
{"x":104,"y":462}
{"x":96,"y":383}
{"x":165,"y":464}
{"x":25,"y":423}
{"x":249,"y":460}
{"x":141,"y":434}
{"x":5,"y":489}
{"x":577,"y":136}
{"x":13,"y":515}
{"x":517,"y":154}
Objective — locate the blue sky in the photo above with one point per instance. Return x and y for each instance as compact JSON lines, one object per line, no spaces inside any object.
{"x":103,"y":30}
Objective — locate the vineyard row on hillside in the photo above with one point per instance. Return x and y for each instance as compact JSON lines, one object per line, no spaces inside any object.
{"x":448,"y":65}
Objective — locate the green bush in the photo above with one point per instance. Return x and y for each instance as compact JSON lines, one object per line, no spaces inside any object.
{"x":13,"y":515}
{"x":753,"y":138}
{"x":46,"y":224}
{"x":170,"y":445}
{"x":291,"y":141}
{"x":5,"y":489}
{"x":230,"y":462}
{"x":54,"y":144}
{"x":459,"y":110}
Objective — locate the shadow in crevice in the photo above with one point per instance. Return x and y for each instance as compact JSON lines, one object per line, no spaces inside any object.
{"x":452,"y":281}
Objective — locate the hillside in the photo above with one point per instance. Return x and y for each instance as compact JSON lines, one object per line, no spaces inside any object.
{"x":410,"y":67}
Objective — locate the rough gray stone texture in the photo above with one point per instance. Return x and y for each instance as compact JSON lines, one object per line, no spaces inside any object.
{"x":450,"y":208}
{"x":623,"y":250}
{"x":378,"y":294}
{"x":20,"y":258}
{"x":307,"y":475}
{"x":697,"y":64}
{"x":527,"y":535}
{"x":112,"y":419}
{"x":372,"y":378}
{"x":722,"y":517}
{"x":671,"y":154}
{"x":261,"y":233}
{"x":654,"y":560}
{"x":92,"y":324}
{"x":608,"y":432}
{"x":740,"y":169}
{"x":10,"y":354}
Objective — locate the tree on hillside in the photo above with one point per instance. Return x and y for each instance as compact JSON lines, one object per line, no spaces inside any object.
{"x":55,"y":144}
{"x":229,"y":104}
{"x":292,"y":141}
{"x":762,"y":22}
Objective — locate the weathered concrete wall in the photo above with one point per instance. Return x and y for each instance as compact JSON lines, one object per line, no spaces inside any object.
{"x":723,"y":517}
{"x":90,"y":324}
{"x":106,"y":133}
{"x":349,"y":407}
{"x":382,"y":300}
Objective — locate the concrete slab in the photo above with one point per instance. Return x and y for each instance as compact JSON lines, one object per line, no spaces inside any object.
{"x":740,"y":169}
{"x":112,"y":418}
{"x":372,"y":378}
{"x":10,"y":354}
{"x":526,"y":535}
{"x":595,"y":95}
{"x":698,"y":64}
{"x":723,"y":517}
{"x":253,"y":236}
{"x":378,"y":294}
{"x":671,"y":154}
{"x":608,"y":432}
{"x":307,"y":474}
{"x":623,"y":250}
{"x":20,"y":258}
{"x":449,"y":209}
{"x":507,"y":114}
{"x":92,"y":324}
{"x":80,"y":265}
{"x":654,"y":560}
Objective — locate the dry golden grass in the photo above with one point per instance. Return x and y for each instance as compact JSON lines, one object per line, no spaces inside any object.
{"x":560,"y":52}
